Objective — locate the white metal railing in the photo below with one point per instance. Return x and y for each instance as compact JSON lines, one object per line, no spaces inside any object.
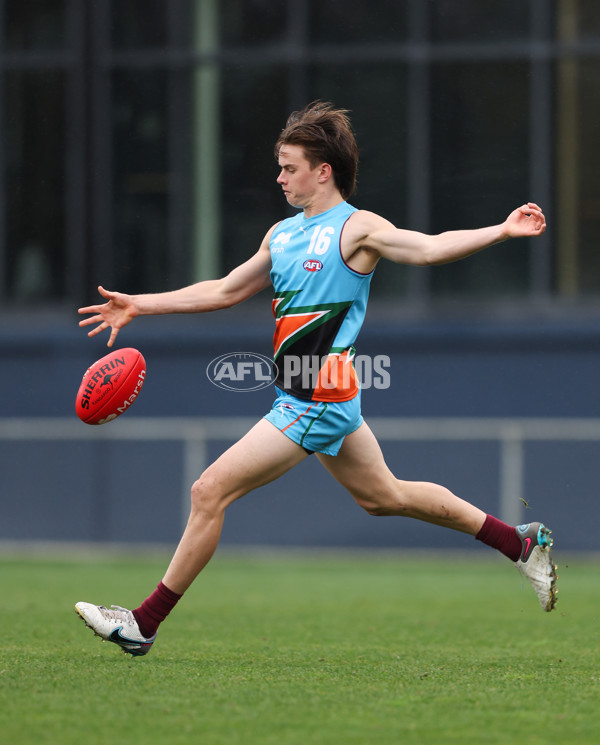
{"x":196,"y":433}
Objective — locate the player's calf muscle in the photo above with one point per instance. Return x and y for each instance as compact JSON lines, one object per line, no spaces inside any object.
{"x":438,"y":505}
{"x":416,"y":499}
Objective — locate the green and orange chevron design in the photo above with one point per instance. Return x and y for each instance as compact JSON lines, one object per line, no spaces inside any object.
{"x":294,"y":323}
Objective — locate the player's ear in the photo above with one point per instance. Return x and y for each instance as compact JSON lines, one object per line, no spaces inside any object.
{"x":325,"y":172}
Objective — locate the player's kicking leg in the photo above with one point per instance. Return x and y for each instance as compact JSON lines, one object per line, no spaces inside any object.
{"x":261,"y":456}
{"x":361,"y":469}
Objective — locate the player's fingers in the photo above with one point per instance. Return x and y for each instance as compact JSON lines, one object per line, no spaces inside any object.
{"x":531,"y":210}
{"x":98,"y":329}
{"x":91,"y":319}
{"x":528,"y":209}
{"x":538,"y":221}
{"x":89,"y":309}
{"x":106,"y":293}
{"x":113,"y":336}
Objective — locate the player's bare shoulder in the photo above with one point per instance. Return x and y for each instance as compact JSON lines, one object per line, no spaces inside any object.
{"x":264,"y":250}
{"x":267,"y":239}
{"x":356,"y":245}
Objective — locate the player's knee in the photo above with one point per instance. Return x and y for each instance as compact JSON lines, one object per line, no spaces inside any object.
{"x":206,"y":496}
{"x":372,"y":504}
{"x":383,"y":502}
{"x":375,"y":510}
{"x":381,"y":510}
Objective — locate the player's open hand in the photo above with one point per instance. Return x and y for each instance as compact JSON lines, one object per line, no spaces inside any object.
{"x":526,"y":220}
{"x":117,"y":312}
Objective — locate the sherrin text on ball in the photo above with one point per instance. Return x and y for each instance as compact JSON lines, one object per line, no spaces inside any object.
{"x":110,"y":386}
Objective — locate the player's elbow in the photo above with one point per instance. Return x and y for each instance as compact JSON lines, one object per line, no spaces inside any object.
{"x":228,"y":299}
{"x":426,"y":253}
{"x":432,"y":252}
{"x":423,"y":257}
{"x":236,"y":288}
{"x":224,"y":300}
{"x":433,"y":255}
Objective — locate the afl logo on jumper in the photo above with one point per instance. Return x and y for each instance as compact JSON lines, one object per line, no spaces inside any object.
{"x":312,"y":265}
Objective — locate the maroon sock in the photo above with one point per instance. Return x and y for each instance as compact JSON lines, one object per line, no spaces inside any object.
{"x":499,"y":535}
{"x":155,"y":609}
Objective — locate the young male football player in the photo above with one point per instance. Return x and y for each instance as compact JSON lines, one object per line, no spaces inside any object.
{"x":320,"y":263}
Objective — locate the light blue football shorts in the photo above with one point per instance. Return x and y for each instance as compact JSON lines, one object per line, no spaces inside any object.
{"x":318,"y":427}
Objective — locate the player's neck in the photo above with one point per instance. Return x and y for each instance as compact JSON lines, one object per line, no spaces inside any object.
{"x":323,"y":202}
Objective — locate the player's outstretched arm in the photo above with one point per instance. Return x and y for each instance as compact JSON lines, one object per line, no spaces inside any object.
{"x":411,"y":247}
{"x":240,"y":284}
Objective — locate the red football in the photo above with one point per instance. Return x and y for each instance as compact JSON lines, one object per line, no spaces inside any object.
{"x":110,"y":386}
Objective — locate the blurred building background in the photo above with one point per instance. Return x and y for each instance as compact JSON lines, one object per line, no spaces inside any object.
{"x":136,"y":152}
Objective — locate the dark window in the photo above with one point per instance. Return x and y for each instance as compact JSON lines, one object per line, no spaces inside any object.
{"x":480,"y":169}
{"x":35,"y":26}
{"x":252,"y":22}
{"x":587,"y":168}
{"x":139,"y":24}
{"x":586,"y":14}
{"x":141,"y":180}
{"x":341,"y":22}
{"x":35,"y":185}
{"x":475,"y":21}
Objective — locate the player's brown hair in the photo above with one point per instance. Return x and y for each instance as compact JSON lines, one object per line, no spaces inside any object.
{"x":326,"y":135}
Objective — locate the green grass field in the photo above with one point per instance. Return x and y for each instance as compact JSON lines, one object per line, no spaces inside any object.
{"x":292,"y":649}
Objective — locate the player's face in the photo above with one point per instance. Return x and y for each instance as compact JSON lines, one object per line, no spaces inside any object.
{"x":297,"y":179}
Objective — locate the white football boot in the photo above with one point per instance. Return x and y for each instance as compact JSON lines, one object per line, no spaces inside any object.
{"x":116,"y":625}
{"x":536,"y":564}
